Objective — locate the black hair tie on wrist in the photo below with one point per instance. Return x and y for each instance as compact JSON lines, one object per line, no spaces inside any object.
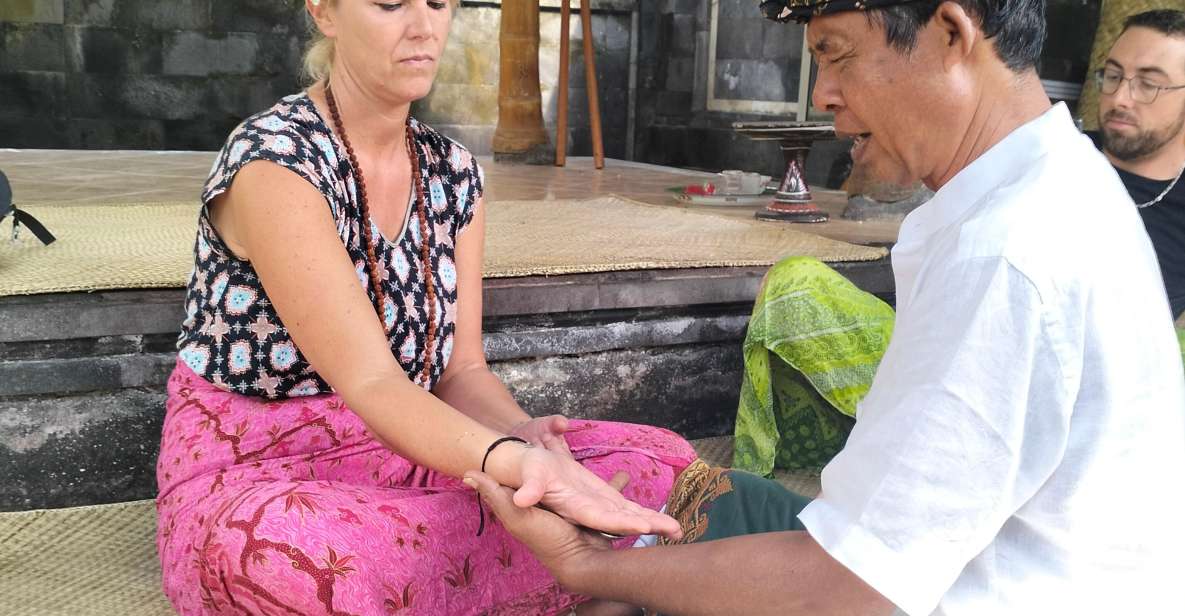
{"x":481,"y":514}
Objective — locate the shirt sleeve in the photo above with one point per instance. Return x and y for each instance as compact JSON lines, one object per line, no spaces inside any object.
{"x":271,"y":138}
{"x":473,"y":188}
{"x":968,"y":415}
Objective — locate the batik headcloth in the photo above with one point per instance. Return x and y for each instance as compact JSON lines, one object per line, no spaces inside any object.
{"x":802,"y":11}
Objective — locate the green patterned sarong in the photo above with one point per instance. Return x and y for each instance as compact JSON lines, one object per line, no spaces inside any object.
{"x":813,"y":346}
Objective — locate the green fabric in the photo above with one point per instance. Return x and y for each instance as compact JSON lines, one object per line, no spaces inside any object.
{"x":755,"y":505}
{"x":814,"y":343}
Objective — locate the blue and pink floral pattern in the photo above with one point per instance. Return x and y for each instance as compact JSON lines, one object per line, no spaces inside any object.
{"x":232,"y":335}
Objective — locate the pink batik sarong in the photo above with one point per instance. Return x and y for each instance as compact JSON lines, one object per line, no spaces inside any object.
{"x":292,"y":507}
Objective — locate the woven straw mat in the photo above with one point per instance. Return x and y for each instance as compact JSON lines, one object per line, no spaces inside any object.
{"x":101,"y":560}
{"x":103,"y":247}
{"x":84,"y":561}
{"x":718,"y":452}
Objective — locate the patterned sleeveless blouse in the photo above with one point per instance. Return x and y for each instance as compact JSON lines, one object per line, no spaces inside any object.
{"x":232,"y":335}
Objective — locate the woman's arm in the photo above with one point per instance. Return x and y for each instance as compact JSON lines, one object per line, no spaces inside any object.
{"x":467,"y":383}
{"x":284,"y":227}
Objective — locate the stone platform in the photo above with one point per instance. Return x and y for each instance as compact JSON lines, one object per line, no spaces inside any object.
{"x":82,"y":374}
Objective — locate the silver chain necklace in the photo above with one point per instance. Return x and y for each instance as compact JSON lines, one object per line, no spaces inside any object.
{"x":1163,"y":193}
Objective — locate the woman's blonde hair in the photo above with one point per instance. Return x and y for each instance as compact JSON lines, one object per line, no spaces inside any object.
{"x":318,"y":58}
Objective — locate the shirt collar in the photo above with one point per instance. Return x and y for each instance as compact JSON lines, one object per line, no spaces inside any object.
{"x":1006,"y":160}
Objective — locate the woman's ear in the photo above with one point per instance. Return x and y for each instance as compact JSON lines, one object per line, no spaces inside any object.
{"x":322,"y":16}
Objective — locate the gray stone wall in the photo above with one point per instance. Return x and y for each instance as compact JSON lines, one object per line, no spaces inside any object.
{"x":149,"y":74}
{"x":674,"y":125}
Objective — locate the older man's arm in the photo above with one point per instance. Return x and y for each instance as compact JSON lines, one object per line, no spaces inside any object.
{"x":781,"y":574}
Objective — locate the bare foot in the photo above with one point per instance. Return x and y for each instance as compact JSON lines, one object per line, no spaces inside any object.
{"x":597,"y":607}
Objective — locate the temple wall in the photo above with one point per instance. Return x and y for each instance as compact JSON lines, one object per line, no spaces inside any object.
{"x":179,"y":75}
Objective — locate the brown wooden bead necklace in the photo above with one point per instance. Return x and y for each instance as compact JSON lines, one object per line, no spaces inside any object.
{"x":425,"y":247}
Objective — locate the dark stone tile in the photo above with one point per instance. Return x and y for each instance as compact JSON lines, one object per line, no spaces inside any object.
{"x":111,"y":50}
{"x":33,"y":94}
{"x":206,"y":134}
{"x":258,"y":16}
{"x":681,"y":75}
{"x":673,"y":104}
{"x":682,"y":35}
{"x":157,"y":15}
{"x":29,"y":131}
{"x":33,"y":47}
{"x":114,"y":134}
{"x":154,"y":97}
{"x":65,"y":451}
{"x":90,"y":12}
{"x":202,"y":55}
{"x":782,"y":42}
{"x":738,"y":38}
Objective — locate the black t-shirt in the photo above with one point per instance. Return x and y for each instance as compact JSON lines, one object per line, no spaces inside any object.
{"x":1165,"y":223}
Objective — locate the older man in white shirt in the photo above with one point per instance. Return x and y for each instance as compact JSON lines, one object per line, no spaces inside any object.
{"x":1022,"y":448}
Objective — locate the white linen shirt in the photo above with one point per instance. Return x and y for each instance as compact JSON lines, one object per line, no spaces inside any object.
{"x":1022,"y":448}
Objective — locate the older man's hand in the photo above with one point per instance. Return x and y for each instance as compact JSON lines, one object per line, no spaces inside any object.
{"x":564,"y":548}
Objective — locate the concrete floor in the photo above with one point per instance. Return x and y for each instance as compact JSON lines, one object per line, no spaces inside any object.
{"x":81,"y":176}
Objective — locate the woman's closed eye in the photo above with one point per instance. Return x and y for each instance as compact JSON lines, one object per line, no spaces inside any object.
{"x":394,"y":6}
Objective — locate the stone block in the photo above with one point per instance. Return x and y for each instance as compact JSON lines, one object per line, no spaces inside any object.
{"x":201,"y":55}
{"x":278,"y":16}
{"x":682,"y":35}
{"x":460,"y":104}
{"x":471,"y":56}
{"x":681,"y":75}
{"x":33,"y":47}
{"x":113,"y":134}
{"x":171,"y":15}
{"x":738,"y":38}
{"x":29,"y":94}
{"x":91,"y":12}
{"x":692,"y":390}
{"x":782,"y":42}
{"x":201,"y":134}
{"x":673,"y":104}
{"x":33,"y":11}
{"x":29,"y":131}
{"x":110,"y":50}
{"x":64,"y":451}
{"x":611,"y":33}
{"x":155,"y":97}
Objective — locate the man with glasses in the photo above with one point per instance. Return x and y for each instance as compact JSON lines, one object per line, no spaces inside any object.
{"x":1142,"y":132}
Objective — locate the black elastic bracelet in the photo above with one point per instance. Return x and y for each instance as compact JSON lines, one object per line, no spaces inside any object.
{"x":481,"y":514}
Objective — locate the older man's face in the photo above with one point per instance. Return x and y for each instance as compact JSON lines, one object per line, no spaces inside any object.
{"x":1134,"y":130}
{"x":894,"y":104}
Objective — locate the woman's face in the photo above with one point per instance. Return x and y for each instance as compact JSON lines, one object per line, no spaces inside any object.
{"x":390,"y":48}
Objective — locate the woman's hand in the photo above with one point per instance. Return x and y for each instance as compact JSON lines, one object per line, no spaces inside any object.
{"x":559,"y":546}
{"x":547,"y":432}
{"x":559,"y":483}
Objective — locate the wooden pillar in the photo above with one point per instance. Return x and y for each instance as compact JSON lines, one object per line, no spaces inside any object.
{"x":520,"y":134}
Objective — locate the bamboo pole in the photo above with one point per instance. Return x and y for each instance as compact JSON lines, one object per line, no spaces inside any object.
{"x":520,"y":132}
{"x":590,"y":80}
{"x":561,"y":125}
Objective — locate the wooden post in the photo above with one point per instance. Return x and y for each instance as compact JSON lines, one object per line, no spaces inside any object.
{"x":561,"y":124}
{"x":590,"y":80}
{"x":520,"y":134}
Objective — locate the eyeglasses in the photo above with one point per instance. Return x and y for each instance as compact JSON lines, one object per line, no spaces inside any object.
{"x":1141,"y":89}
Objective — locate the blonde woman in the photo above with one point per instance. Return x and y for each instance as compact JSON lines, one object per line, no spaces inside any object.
{"x":330,"y":384}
